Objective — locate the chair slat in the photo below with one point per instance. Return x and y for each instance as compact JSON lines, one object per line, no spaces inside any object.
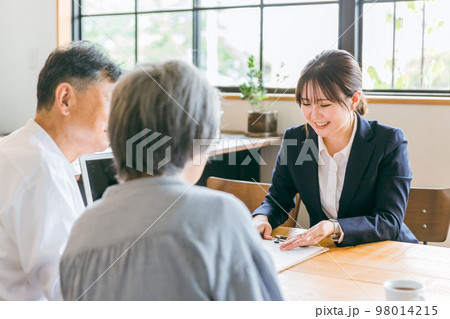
{"x":251,"y":194}
{"x":428,"y":214}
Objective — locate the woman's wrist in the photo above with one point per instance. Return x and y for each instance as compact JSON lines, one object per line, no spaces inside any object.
{"x":331,"y":227}
{"x":337,"y":234}
{"x":261,"y":217}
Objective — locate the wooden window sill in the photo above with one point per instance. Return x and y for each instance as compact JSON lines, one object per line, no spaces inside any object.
{"x":370,"y":99}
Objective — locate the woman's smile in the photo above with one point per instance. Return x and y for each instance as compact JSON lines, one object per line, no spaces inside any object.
{"x":321,"y":125}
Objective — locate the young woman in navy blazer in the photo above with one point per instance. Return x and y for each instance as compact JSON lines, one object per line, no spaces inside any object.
{"x":353,"y":175}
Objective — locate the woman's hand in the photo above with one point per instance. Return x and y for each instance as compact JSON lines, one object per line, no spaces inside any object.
{"x":262,"y":224}
{"x":310,"y":237}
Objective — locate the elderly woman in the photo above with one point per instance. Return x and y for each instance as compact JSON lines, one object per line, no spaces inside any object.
{"x":155,"y":236}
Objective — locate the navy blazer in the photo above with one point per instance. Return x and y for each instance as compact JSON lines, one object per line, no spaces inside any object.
{"x":375,"y":191}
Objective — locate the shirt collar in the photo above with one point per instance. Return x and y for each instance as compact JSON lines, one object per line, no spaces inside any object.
{"x":322,"y":148}
{"x":44,"y":139}
{"x":345,"y":151}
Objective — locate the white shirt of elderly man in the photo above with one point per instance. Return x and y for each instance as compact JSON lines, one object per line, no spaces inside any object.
{"x":40,"y":196}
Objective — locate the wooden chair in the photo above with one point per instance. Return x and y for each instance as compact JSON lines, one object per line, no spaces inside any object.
{"x":428,"y":214}
{"x":252,"y":194}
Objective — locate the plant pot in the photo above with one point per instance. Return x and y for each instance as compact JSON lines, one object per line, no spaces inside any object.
{"x":262,"y":124}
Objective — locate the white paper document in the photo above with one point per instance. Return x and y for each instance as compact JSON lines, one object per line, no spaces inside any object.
{"x":285,"y":259}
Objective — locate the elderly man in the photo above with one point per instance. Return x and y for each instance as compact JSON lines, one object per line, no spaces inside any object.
{"x":40,"y":199}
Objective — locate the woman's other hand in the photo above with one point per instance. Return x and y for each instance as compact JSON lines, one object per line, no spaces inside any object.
{"x":310,"y":237}
{"x":262,"y":224}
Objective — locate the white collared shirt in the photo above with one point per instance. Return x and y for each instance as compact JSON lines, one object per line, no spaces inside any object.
{"x":332,"y":175}
{"x":40,"y":202}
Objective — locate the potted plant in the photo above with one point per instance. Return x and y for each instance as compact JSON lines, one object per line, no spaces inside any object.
{"x":261,"y":122}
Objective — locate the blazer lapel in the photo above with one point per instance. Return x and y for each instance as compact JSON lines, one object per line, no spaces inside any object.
{"x":358,"y":161}
{"x":310,"y":173}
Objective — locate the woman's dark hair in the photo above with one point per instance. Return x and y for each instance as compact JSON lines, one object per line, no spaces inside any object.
{"x":337,"y":74}
{"x":80,"y":63}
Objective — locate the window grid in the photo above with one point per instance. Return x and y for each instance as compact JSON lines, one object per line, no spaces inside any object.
{"x":350,"y":21}
{"x":391,"y":90}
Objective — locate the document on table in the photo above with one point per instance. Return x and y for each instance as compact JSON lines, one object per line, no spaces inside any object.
{"x":285,"y":259}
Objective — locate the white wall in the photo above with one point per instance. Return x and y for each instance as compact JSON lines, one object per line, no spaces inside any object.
{"x":426,"y":127}
{"x":27,"y":36}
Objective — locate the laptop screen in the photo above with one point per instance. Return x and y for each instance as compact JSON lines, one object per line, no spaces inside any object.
{"x":98,"y":172}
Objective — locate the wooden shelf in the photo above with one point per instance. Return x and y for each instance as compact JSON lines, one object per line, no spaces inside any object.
{"x":237,"y":141}
{"x":370,"y":99}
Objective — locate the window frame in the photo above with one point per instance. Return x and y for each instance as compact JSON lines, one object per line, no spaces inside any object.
{"x":350,"y":30}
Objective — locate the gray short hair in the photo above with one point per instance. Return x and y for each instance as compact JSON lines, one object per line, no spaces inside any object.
{"x":80,"y":63}
{"x":171,"y":98}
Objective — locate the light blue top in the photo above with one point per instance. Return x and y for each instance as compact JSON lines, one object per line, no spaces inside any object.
{"x":160,"y":238}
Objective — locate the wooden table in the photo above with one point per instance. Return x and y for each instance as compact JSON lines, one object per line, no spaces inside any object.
{"x":358,"y":272}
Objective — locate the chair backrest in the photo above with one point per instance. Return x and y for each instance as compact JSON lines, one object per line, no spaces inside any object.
{"x":251,"y":194}
{"x":428,"y":213}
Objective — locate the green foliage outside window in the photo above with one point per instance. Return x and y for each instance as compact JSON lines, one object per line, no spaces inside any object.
{"x":431,"y":73}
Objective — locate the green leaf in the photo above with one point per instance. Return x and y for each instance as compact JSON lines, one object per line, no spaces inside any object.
{"x":388,"y":64}
{"x":389,"y":18}
{"x":402,"y":82}
{"x":438,"y":67}
{"x":399,"y":24}
{"x":373,"y":73}
{"x":399,"y":84}
{"x":377,"y":83}
{"x":412,"y":6}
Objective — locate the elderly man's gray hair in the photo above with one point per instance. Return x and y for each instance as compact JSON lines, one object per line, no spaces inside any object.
{"x":171,"y":98}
